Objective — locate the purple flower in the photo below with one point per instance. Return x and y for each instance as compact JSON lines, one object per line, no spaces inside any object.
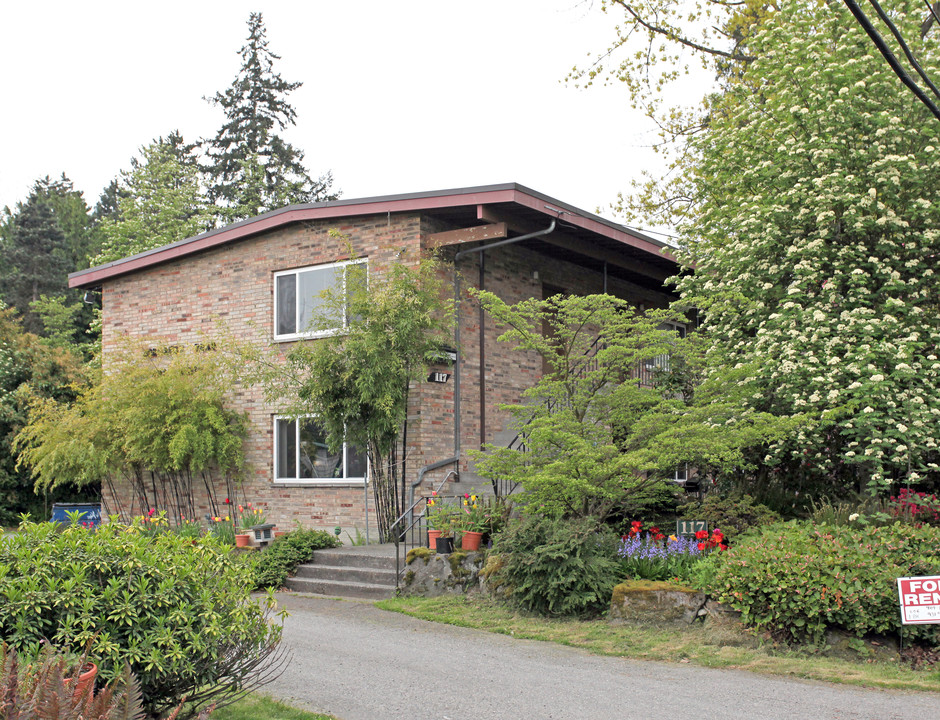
{"x":646,"y":548}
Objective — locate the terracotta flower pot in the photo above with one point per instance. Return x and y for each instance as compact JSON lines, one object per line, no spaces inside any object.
{"x":242,"y":540}
{"x":471,"y":540}
{"x":433,"y":535}
{"x":86,"y":679}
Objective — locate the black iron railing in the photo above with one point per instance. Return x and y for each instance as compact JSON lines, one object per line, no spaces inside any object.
{"x":410,"y":530}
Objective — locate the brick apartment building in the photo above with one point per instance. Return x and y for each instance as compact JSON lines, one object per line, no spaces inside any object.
{"x":255,"y":274}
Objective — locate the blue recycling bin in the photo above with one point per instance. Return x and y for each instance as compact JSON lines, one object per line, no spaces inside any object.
{"x":91,"y":513}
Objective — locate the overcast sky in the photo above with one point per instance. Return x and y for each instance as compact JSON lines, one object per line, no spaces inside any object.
{"x":398,"y":96}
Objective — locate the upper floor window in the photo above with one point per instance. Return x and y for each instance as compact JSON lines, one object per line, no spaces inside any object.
{"x":298,"y":298}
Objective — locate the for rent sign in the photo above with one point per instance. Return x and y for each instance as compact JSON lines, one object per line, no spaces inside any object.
{"x":920,"y":599}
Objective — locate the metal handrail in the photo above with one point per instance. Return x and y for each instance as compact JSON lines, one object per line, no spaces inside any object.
{"x":401,"y":535}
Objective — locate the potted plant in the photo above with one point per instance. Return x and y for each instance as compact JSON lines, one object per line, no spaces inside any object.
{"x":78,"y":669}
{"x":244,"y":520}
{"x":441,"y":518}
{"x":473,"y":521}
{"x":496,"y":514}
{"x":431,"y":510}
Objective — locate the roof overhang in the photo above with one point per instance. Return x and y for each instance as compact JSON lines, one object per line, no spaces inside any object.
{"x":465,"y":207}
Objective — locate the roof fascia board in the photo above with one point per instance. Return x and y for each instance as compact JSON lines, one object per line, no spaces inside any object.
{"x":279,"y":218}
{"x":479,"y":196}
{"x":591,"y":222}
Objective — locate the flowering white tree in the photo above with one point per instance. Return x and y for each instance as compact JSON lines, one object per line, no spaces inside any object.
{"x":815,"y":234}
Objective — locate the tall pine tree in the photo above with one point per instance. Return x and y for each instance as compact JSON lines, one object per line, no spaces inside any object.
{"x":251,"y":169}
{"x":107,"y":205}
{"x":158,"y":202}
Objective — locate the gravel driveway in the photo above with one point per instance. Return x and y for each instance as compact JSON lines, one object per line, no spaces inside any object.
{"x":357,"y":662}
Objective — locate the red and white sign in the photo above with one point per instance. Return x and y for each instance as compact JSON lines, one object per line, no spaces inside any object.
{"x":920,"y":599}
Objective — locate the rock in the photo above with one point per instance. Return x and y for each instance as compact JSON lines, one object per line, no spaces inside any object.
{"x":717,"y":613}
{"x":655,"y":603}
{"x":430,"y":574}
{"x":847,"y":646}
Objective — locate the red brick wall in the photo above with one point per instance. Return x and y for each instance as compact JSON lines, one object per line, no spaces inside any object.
{"x":229,"y":290}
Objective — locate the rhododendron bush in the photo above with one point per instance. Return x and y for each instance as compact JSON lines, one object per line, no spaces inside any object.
{"x":797,"y":580}
{"x":815,"y":236}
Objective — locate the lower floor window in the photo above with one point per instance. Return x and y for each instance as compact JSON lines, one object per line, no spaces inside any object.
{"x":301,"y":454}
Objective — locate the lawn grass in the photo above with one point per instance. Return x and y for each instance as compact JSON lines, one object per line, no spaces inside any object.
{"x":717,"y":647}
{"x":261,"y":707}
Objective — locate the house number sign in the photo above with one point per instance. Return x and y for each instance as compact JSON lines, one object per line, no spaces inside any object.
{"x":438,"y":377}
{"x":690,"y":527}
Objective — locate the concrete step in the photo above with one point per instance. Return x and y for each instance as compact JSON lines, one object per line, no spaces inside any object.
{"x":377,"y":576}
{"x":335,"y":588}
{"x":355,"y":572}
{"x":350,"y":557}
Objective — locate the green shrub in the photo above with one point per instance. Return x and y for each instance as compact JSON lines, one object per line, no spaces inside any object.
{"x":797,"y":580}
{"x":557,"y":567}
{"x":732,"y":514}
{"x":856,"y":512}
{"x":176,"y":610}
{"x":657,"y":504}
{"x":278,"y":561}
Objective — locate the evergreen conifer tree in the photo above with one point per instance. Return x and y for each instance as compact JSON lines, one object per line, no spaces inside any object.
{"x":251,"y":169}
{"x":107,"y":205}
{"x":42,"y":240}
{"x":158,"y":202}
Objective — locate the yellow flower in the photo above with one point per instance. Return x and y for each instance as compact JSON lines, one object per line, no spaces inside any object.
{"x":673,"y":538}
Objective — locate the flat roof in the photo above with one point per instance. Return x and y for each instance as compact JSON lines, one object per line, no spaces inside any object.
{"x":513,"y":194}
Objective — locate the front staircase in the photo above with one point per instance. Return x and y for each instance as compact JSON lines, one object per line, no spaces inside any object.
{"x":363,"y":571}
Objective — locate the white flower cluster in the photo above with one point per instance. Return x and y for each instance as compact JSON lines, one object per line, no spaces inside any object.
{"x":825,"y":278}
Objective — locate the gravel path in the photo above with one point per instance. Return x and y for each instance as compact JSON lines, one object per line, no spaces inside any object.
{"x":357,"y":662}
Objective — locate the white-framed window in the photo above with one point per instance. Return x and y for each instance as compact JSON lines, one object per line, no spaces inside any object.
{"x":297,"y":297}
{"x":301,"y":455}
{"x":681,"y":475}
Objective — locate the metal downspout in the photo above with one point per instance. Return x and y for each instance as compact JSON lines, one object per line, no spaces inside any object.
{"x":481,"y":322}
{"x":456,"y":456}
{"x":457,"y":302}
